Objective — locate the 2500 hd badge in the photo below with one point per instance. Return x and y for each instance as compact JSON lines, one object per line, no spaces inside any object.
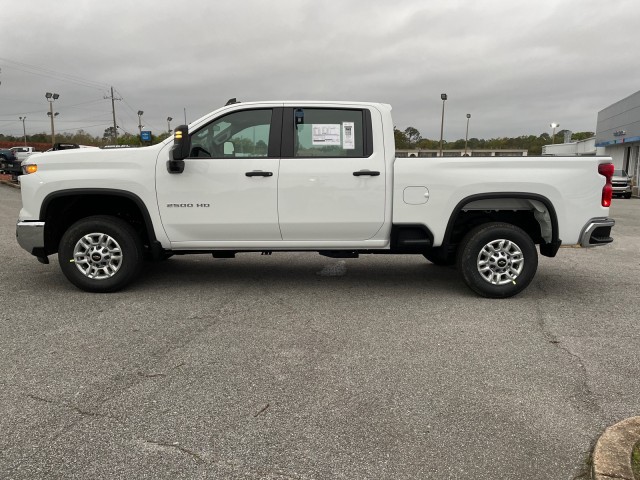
{"x":188,"y":205}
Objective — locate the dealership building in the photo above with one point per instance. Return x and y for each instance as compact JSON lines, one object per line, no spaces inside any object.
{"x":618,"y":132}
{"x":617,"y":136}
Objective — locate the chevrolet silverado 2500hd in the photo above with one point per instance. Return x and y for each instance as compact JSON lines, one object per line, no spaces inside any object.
{"x":307,"y":176}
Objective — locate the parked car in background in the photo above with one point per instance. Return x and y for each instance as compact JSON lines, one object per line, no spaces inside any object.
{"x":67,"y":146}
{"x":22,"y":153}
{"x":9,"y":163}
{"x":621,"y":182}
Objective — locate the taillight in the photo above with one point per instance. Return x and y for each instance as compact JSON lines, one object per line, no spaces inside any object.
{"x":606,"y":169}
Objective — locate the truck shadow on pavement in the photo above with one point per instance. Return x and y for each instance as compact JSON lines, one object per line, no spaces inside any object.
{"x":301,"y":271}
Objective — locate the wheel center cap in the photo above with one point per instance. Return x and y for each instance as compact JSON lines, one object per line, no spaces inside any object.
{"x":502,"y":263}
{"x":96,"y":257}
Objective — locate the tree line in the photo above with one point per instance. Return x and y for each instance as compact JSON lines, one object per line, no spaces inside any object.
{"x":81,"y":137}
{"x":410,"y":139}
{"x":407,"y":139}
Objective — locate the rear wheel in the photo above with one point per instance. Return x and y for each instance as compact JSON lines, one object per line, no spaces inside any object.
{"x":497,"y":260}
{"x":100,"y":254}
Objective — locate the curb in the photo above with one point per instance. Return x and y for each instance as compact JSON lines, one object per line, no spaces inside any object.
{"x":612,"y":455}
{"x":11,"y":184}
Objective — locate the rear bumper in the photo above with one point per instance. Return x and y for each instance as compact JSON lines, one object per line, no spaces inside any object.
{"x":30,"y":236}
{"x":597,"y":231}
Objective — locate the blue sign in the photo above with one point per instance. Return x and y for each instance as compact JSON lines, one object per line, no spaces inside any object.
{"x":145,"y":136}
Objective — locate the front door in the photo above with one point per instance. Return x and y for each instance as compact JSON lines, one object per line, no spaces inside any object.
{"x":228,"y":190}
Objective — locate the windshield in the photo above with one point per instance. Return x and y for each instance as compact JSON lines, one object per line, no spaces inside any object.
{"x":619,"y":173}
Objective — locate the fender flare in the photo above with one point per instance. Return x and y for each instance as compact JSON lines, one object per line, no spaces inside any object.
{"x":548,"y":249}
{"x":153,"y":242}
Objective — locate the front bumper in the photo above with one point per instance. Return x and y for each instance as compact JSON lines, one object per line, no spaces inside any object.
{"x":597,"y":231}
{"x":30,"y":236}
{"x":622,"y":190}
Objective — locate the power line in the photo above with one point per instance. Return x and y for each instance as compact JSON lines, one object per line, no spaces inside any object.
{"x":134,"y":111}
{"x":78,"y":80}
{"x":47,"y":72}
{"x":83,"y":127}
{"x":32,"y":112}
{"x":76,"y":105}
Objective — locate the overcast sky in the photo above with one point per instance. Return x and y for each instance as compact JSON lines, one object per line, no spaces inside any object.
{"x":515,"y":66}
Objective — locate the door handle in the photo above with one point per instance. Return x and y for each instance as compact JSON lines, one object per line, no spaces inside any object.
{"x":371,"y":173}
{"x":259,"y":173}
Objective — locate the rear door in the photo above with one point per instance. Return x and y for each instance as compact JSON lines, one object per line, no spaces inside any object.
{"x":332,"y":184}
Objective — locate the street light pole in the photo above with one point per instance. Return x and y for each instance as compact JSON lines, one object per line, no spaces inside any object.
{"x":24,"y":130}
{"x":443,"y":96}
{"x":140,"y":113}
{"x":466,"y":137}
{"x":51,"y":97}
{"x":169,"y":123}
{"x":553,"y":134}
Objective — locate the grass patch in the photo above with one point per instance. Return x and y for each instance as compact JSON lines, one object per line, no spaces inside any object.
{"x":635,"y":460}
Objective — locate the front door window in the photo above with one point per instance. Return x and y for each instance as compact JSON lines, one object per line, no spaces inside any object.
{"x":240,"y":134}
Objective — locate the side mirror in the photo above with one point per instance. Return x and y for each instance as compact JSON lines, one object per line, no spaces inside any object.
{"x":180,"y":150}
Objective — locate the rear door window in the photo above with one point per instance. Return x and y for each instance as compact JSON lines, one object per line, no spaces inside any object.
{"x":328,"y":133}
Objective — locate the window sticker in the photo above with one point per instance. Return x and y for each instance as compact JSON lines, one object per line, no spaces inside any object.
{"x":348,"y":137}
{"x":325,"y":134}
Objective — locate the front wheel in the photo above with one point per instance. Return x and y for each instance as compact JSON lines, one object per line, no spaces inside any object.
{"x":100,"y":254}
{"x":497,"y":260}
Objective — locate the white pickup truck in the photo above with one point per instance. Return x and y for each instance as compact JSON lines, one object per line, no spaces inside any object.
{"x":307,"y":176}
{"x":22,"y":153}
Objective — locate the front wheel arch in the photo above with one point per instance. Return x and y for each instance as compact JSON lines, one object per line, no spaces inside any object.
{"x":63,"y":208}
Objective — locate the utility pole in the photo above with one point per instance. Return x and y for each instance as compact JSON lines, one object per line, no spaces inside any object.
{"x":24,"y":130}
{"x":113,"y":110}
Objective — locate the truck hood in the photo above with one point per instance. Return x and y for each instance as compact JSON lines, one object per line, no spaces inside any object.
{"x":88,"y":157}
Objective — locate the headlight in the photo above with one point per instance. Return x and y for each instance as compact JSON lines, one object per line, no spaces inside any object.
{"x":27,"y":169}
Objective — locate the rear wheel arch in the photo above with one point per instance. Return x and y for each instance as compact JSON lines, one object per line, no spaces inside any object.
{"x":539,"y":220}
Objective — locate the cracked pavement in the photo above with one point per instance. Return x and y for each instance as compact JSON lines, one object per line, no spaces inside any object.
{"x":296,"y":366}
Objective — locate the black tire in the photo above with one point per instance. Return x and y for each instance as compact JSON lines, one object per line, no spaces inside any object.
{"x":498,"y":273}
{"x":108,"y":259}
{"x":438,"y":257}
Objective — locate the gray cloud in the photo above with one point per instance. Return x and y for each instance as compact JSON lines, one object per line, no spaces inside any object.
{"x":515,"y":66}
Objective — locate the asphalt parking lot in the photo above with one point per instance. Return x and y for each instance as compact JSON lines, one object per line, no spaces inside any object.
{"x":296,"y":366}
